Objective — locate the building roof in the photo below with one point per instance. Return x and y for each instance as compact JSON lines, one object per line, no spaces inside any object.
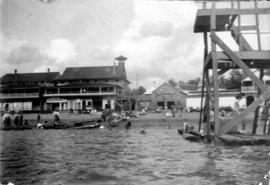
{"x":29,"y":77}
{"x":93,"y":73}
{"x":158,"y":90}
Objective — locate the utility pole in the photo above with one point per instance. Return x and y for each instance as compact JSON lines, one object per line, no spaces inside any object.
{"x":136,"y":92}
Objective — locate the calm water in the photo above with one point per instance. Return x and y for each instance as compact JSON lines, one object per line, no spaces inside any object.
{"x":119,"y":156}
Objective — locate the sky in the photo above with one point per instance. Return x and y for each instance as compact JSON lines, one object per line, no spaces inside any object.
{"x":156,"y":36}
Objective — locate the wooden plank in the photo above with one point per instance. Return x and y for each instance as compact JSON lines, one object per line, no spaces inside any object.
{"x":214,"y":61}
{"x":231,"y":22}
{"x":245,"y":55}
{"x":238,"y":61}
{"x":203,"y":78}
{"x":237,"y":118}
{"x":248,"y":27}
{"x":240,"y":39}
{"x":255,"y":119}
{"x":229,"y":11}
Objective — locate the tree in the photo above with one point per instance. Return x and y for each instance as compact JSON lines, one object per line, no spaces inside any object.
{"x":194,"y":82}
{"x":140,"y":90}
{"x":172,"y":82}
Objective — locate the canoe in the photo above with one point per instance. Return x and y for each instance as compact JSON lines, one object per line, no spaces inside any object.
{"x":97,"y":125}
{"x":61,"y":126}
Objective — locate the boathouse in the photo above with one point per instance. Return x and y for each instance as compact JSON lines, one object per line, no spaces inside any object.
{"x":78,"y":88}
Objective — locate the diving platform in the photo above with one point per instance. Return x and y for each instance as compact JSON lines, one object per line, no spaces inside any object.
{"x":250,"y":55}
{"x":224,"y":18}
{"x":253,"y":59}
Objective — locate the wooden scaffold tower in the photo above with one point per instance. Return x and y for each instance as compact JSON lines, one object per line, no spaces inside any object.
{"x":211,"y":21}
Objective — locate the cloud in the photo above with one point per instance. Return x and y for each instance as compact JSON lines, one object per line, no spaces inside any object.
{"x":160,"y":43}
{"x":24,"y":54}
{"x":62,"y":50}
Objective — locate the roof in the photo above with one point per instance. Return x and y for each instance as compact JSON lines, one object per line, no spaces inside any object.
{"x":185,"y":87}
{"x":29,"y":77}
{"x":150,"y":90}
{"x":171,"y":87}
{"x":94,"y":73}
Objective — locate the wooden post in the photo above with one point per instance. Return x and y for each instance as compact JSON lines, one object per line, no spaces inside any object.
{"x":214,"y":64}
{"x":256,"y":113}
{"x":203,"y":79}
{"x":239,"y":30}
{"x":257,"y":27}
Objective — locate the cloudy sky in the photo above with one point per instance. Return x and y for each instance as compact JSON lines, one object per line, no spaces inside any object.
{"x":156,"y":36}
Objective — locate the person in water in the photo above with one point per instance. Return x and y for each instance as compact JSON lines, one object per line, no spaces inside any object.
{"x":56,"y":117}
{"x":186,"y":125}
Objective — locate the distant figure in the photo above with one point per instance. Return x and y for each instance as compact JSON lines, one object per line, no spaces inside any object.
{"x":186,"y":126}
{"x":16,"y":119}
{"x":237,"y":109}
{"x":128,"y":125}
{"x":56,"y":118}
{"x":25,"y":123}
{"x":7,"y":120}
{"x":143,"y":132}
{"x":21,"y":119}
{"x":39,"y":125}
{"x":223,"y":113}
{"x":38,"y":117}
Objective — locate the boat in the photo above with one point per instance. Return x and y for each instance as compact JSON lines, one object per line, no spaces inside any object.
{"x":97,"y":125}
{"x":89,"y":124}
{"x":191,"y":135}
{"x":56,"y":126}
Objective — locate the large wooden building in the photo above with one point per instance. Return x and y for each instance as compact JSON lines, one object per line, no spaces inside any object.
{"x":78,"y":88}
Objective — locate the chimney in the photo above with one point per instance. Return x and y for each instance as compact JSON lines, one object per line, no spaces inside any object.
{"x":15,"y":71}
{"x":48,"y":70}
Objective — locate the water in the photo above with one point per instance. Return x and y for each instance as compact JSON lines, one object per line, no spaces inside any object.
{"x":122,"y":157}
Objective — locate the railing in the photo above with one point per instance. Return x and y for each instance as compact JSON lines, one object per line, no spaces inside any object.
{"x":248,"y":89}
{"x":18,"y":95}
{"x":101,"y":93}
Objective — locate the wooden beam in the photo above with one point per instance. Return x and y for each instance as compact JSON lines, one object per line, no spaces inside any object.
{"x":245,"y":55}
{"x":240,"y":39}
{"x":215,"y":75}
{"x":236,"y":119}
{"x":248,"y":27}
{"x":256,"y":113}
{"x":238,"y":61}
{"x":229,"y":11}
{"x":231,"y":22}
{"x":207,"y":60}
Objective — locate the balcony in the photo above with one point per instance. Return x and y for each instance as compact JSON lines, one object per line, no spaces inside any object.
{"x":63,"y":94}
{"x":18,"y":95}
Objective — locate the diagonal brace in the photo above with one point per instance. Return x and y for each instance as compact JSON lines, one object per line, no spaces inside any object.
{"x":238,"y":61}
{"x":236,"y":119}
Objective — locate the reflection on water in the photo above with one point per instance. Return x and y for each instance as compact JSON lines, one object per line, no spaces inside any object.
{"x":118,"y":156}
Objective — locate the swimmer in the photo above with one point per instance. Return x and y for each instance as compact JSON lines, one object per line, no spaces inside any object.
{"x":39,"y":126}
{"x":128,"y":125}
{"x":143,"y":132}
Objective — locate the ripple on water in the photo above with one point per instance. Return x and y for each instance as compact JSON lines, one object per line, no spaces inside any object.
{"x":116,"y":156}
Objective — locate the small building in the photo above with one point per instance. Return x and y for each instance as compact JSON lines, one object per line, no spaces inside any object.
{"x":165,"y":97}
